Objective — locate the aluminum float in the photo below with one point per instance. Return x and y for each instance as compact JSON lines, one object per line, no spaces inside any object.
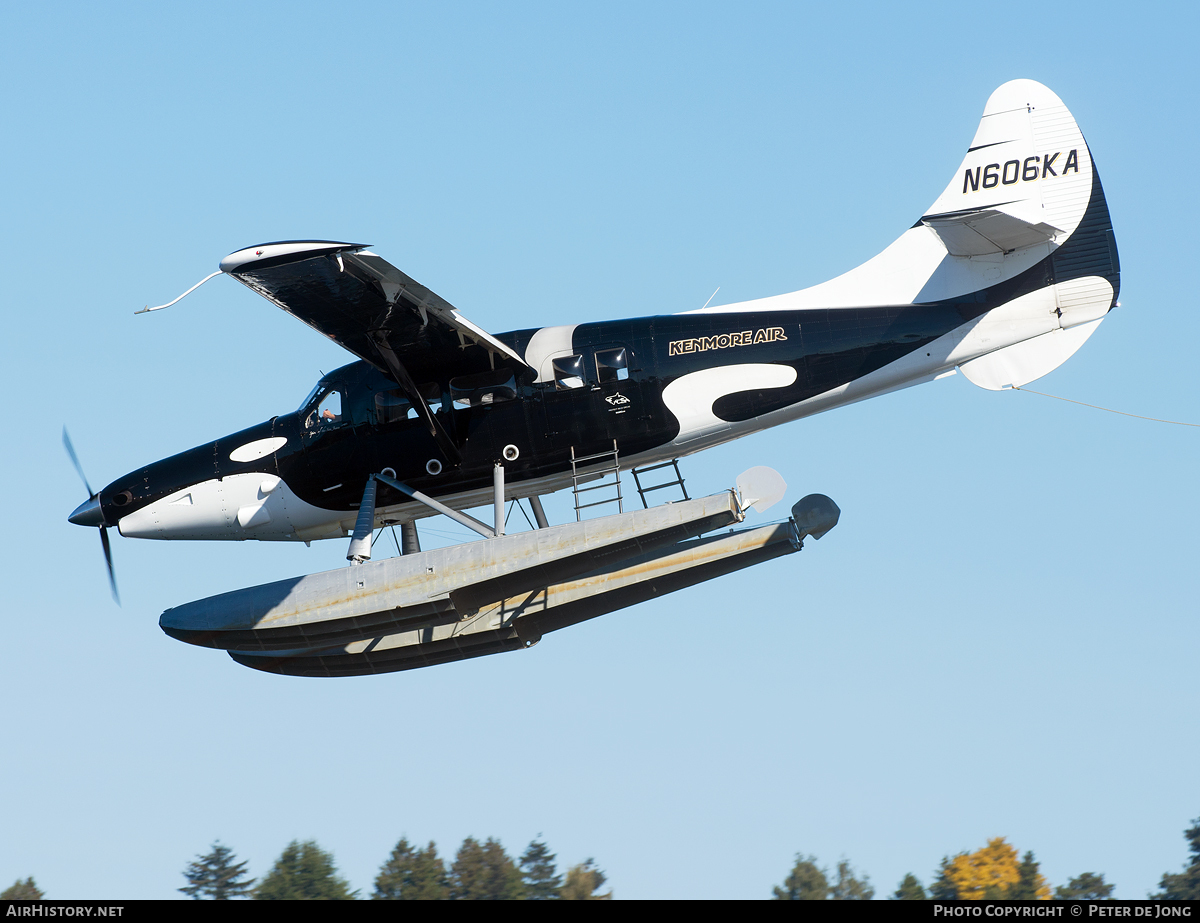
{"x":496,"y":594}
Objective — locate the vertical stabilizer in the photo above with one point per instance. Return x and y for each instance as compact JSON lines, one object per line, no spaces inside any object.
{"x":1026,"y":191}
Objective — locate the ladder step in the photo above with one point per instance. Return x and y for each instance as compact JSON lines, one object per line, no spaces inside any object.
{"x":644,"y":489}
{"x":602,"y":473}
{"x":596,"y":487}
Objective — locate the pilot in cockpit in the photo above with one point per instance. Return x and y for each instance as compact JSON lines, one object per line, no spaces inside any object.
{"x":328,"y":411}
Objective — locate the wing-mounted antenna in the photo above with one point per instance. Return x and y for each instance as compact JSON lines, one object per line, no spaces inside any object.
{"x":159,"y":307}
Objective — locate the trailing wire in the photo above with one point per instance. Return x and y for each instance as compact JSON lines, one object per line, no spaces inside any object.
{"x":1107,"y":409}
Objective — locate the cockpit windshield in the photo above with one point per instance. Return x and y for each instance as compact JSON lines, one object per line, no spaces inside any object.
{"x":311,"y":394}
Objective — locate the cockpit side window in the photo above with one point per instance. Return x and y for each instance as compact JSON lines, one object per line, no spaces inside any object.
{"x":330,"y":407}
{"x":327,"y":411}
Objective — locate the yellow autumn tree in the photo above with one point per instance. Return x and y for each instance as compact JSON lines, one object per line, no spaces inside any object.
{"x":994,"y":873}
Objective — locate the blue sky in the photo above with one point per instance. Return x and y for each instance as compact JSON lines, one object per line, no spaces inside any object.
{"x":998,"y":639}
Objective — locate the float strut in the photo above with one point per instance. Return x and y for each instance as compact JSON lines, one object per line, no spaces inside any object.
{"x":462,"y":518}
{"x":539,"y":514}
{"x":410,"y":542}
{"x":498,"y":497}
{"x":360,"y":544}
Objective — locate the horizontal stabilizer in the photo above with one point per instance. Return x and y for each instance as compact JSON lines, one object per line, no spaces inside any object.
{"x":980,"y":231}
{"x":1024,"y":362}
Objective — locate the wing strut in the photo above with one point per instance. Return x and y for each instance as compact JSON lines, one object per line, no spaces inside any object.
{"x":400,"y":375}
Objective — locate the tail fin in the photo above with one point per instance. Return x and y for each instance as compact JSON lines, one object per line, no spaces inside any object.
{"x":1026,"y":191}
{"x":1028,"y":165}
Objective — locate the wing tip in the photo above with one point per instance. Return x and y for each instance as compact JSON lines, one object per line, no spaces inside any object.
{"x":284,"y":251}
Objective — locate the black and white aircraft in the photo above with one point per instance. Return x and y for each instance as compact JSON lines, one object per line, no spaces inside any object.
{"x":1007,"y":274}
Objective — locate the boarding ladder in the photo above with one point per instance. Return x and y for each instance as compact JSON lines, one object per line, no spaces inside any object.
{"x":644,"y":489}
{"x":610,"y":465}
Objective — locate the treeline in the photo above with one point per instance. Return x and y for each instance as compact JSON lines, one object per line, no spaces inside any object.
{"x":484,"y":871}
{"x":992,"y":873}
{"x":479,"y":872}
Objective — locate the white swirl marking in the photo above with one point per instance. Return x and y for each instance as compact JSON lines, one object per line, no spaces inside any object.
{"x":253,"y":451}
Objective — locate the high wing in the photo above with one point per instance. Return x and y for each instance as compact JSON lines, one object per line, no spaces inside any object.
{"x":365,"y":304}
{"x":352,"y":295}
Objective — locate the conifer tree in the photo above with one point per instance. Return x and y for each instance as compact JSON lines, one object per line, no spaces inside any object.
{"x":303,"y":872}
{"x":1186,"y":885}
{"x":1030,"y":886}
{"x":26,"y":890}
{"x":583,"y":881}
{"x":484,"y":873}
{"x":1087,"y":887}
{"x":805,"y":883}
{"x":942,"y":888}
{"x":542,"y":882}
{"x":216,"y":876}
{"x":412,"y":875}
{"x":910,"y":889}
{"x":848,"y":887}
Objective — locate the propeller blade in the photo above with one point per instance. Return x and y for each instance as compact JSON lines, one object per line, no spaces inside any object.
{"x":112,"y":576}
{"x":91,"y":515}
{"x":75,"y":461}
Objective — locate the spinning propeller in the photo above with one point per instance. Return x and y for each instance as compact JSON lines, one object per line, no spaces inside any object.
{"x":90,"y":514}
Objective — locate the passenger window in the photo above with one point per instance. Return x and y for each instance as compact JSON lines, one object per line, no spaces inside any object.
{"x":432,"y":393}
{"x":492,"y":387}
{"x":393,"y":406}
{"x":611,"y":365}
{"x":568,"y":372}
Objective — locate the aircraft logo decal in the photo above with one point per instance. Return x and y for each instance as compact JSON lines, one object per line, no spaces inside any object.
{"x":617,"y":402}
{"x":726,"y":340}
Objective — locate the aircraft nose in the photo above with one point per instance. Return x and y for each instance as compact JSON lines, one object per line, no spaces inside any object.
{"x":88,"y":513}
